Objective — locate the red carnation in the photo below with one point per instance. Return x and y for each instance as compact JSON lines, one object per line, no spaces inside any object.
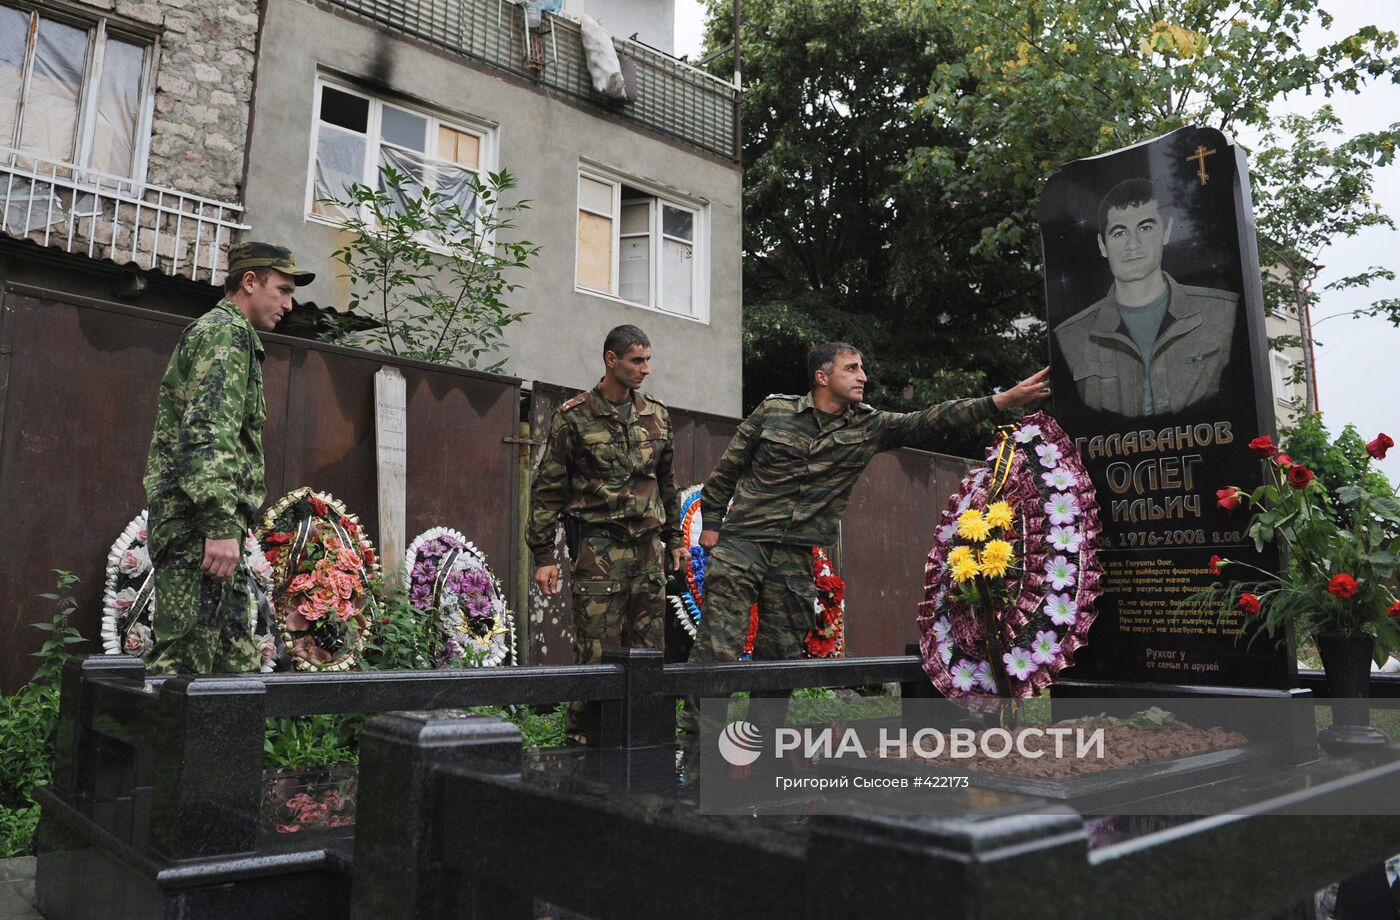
{"x":1283,"y":460}
{"x":1263,"y":446}
{"x":1229,"y":499}
{"x":1394,"y":609}
{"x":1299,"y":476}
{"x":277,"y":538}
{"x":1249,"y":603}
{"x":1342,"y":585}
{"x":1215,"y":563}
{"x":1379,"y":446}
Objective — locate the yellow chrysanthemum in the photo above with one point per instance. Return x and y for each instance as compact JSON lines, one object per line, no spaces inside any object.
{"x":965,"y":570}
{"x":996,"y":556}
{"x":973,"y":526}
{"x":958,"y":554}
{"x":999,"y":514}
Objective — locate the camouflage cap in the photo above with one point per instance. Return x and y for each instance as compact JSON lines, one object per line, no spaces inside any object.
{"x":250,"y":256}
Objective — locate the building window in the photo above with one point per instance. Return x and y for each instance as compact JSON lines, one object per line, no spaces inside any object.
{"x":640,"y":246}
{"x":357,"y":133}
{"x":76,"y":93}
{"x":1283,"y":378}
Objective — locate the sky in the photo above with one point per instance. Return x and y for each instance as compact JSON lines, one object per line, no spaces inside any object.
{"x":1356,"y":358}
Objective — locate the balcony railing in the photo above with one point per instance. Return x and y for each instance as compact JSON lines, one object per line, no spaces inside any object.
{"x":673,"y":98}
{"x":107,"y":217}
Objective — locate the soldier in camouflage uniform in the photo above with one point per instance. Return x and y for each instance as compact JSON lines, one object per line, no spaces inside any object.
{"x":204,"y":474}
{"x":789,"y":471}
{"x":608,"y":469}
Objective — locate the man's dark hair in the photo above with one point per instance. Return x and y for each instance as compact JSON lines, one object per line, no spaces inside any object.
{"x":823,"y":356}
{"x":623,"y":339}
{"x":235,"y":279}
{"x":1126,"y":194}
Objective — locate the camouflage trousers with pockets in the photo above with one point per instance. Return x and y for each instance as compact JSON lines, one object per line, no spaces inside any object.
{"x":619,"y":593}
{"x":200,"y":625}
{"x":778,"y":577}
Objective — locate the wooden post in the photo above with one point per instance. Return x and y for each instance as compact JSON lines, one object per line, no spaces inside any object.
{"x":391,"y":442}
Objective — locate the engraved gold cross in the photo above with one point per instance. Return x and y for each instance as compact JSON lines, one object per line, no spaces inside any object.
{"x":1200,"y":157}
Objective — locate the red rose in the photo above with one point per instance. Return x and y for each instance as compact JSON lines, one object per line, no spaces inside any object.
{"x":1215,"y":563}
{"x":1249,"y":603}
{"x":1263,"y":446}
{"x":1299,"y":476}
{"x":1394,"y":609}
{"x":368,"y":556}
{"x":318,"y":507}
{"x":278,"y":538}
{"x":1342,"y":585}
{"x":272,"y":555}
{"x":1229,"y":499}
{"x":1379,"y":446}
{"x":1283,"y":460}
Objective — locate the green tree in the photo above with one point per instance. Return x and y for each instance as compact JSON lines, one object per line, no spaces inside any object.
{"x":430,"y":272}
{"x":837,"y":244}
{"x":1314,"y":192}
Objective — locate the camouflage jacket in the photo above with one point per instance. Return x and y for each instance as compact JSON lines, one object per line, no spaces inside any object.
{"x":204,"y":474}
{"x":790,"y":476}
{"x":604,"y":473}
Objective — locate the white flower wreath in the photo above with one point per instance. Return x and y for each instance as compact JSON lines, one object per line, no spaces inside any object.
{"x":128,"y":596}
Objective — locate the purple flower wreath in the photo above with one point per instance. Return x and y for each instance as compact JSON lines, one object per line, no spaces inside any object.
{"x":448,"y":575}
{"x":1013,"y":575}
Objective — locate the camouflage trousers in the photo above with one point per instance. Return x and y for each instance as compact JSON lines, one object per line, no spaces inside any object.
{"x":619,"y":589}
{"x":776,"y":576}
{"x":200,"y":625}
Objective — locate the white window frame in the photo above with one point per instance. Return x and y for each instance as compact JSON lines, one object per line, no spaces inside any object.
{"x":660,"y":197}
{"x":98,"y":28}
{"x":485,"y":132}
{"x":1282,"y":369}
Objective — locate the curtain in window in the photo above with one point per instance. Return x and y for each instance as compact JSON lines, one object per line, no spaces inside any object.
{"x":340,"y":162}
{"x":14,"y":40}
{"x":55,"y":87}
{"x":118,"y":109}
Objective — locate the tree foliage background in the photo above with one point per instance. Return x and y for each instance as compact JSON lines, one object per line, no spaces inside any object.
{"x":895,"y":151}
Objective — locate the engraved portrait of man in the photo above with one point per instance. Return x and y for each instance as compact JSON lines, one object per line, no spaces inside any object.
{"x":1151,"y":346}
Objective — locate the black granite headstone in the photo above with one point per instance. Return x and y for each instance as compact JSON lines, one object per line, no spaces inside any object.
{"x":1160,"y":373}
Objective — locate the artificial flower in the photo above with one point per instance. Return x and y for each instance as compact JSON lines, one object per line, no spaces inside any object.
{"x":965,"y":570}
{"x":964,"y":675}
{"x":942,"y":629}
{"x":958,"y":554}
{"x":972,"y":525}
{"x":996,"y":556}
{"x":1049,"y":455}
{"x":1060,"y":609}
{"x":1059,"y":571}
{"x":1342,"y":585}
{"x":1019,"y":663}
{"x":984,"y":676}
{"x":945,"y":651}
{"x":1062,"y":508}
{"x":1065,"y":538}
{"x":1379,"y":446}
{"x":999,"y":514}
{"x":1025,"y":434}
{"x":1046,"y":646}
{"x":1059,"y":479}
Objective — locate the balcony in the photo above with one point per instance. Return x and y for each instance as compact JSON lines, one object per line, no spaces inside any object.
{"x":674,"y":98}
{"x":107,"y":217}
